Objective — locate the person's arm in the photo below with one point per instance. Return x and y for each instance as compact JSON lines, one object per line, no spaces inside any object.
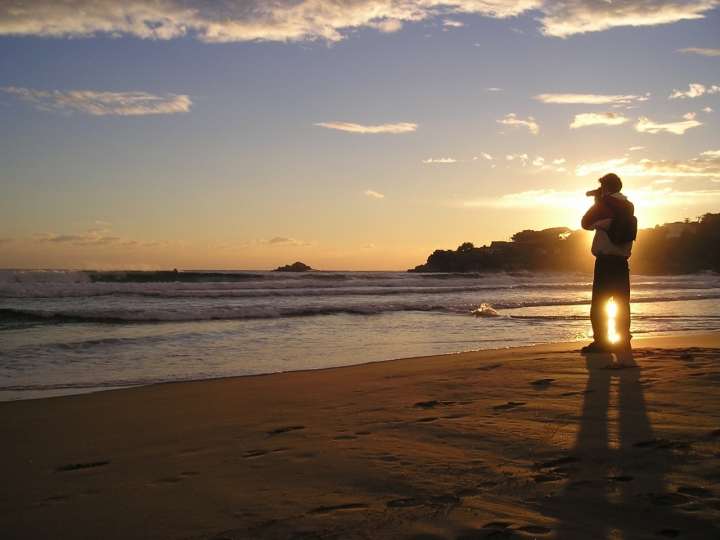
{"x":597,"y":212}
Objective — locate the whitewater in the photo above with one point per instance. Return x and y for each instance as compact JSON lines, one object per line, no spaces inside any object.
{"x":64,"y":332}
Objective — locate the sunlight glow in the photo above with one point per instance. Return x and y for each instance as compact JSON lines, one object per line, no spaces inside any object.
{"x":612,"y":311}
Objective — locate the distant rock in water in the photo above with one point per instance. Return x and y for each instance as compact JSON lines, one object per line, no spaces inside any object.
{"x":295,"y":267}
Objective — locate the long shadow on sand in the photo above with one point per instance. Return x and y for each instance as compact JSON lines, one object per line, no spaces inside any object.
{"x":618,"y":485}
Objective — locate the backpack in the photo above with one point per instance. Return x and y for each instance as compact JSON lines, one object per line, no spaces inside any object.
{"x":623,"y":227}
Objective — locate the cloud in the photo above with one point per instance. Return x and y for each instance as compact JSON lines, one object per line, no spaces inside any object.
{"x":511,"y":157}
{"x":588,"y":99}
{"x":103,"y":103}
{"x":678,"y":128}
{"x":633,"y":148}
{"x":715,"y":153}
{"x":284,"y":240}
{"x":591,"y":119}
{"x":375,"y":194}
{"x":512,"y":120}
{"x":299,"y":20}
{"x":94,"y":237}
{"x":387,"y":26}
{"x":694,"y":90}
{"x":449,"y":22}
{"x":549,"y":198}
{"x":440,"y":160}
{"x":565,"y":18}
{"x":707,"y":110}
{"x":493,"y":89}
{"x":602,"y":166}
{"x":530,"y":199}
{"x":357,"y":128}
{"x":704,"y":52}
{"x":486,"y":156}
{"x":691,"y":168}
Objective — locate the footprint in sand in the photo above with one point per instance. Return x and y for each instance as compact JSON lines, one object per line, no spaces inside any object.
{"x":345,"y":438}
{"x":620,"y":478}
{"x":404,"y":503}
{"x":490,"y":367}
{"x":556,"y":462}
{"x":666,"y":499}
{"x":254,"y":453}
{"x":432,"y":404}
{"x":509,"y":405}
{"x":329,"y":509}
{"x":663,"y":444}
{"x":534,"y":529}
{"x":542,"y":384}
{"x":174,"y":479}
{"x":78,"y":466}
{"x":697,"y":492}
{"x":284,"y":430}
{"x":54,"y":500}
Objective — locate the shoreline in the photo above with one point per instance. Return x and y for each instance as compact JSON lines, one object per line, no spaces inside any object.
{"x":65,"y":392}
{"x":528,"y":442}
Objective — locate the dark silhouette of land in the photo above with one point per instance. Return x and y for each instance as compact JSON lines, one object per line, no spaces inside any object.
{"x":671,"y":249}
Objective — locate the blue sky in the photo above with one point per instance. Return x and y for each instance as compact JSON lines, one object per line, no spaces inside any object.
{"x":347,"y":135}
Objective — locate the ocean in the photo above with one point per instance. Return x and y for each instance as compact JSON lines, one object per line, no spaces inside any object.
{"x":67,"y":332}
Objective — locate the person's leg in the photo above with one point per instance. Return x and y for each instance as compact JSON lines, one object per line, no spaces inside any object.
{"x":601,"y":293}
{"x":621,"y":297}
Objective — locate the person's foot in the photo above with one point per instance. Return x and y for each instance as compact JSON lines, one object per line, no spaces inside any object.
{"x":596,"y":347}
{"x":622,"y":346}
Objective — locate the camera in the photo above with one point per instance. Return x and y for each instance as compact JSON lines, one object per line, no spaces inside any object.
{"x":593,"y":193}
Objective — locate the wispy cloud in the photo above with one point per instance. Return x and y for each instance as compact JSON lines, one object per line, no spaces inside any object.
{"x":450,"y":22}
{"x":633,"y":148}
{"x":486,"y":156}
{"x":691,"y":168}
{"x":588,"y":99}
{"x":591,"y":119}
{"x":512,"y":120}
{"x":357,"y":128}
{"x":375,"y":194}
{"x":103,"y":103}
{"x":695,"y":90}
{"x":440,"y":160}
{"x":90,"y":239}
{"x":285,"y":241}
{"x":530,"y":199}
{"x":296,"y":20}
{"x":565,"y":18}
{"x":601,"y":166}
{"x":715,"y":153}
{"x":678,"y":128}
{"x":704,"y":52}
{"x":651,"y":196}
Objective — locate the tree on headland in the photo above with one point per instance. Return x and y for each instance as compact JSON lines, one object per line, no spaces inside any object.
{"x":674,"y":248}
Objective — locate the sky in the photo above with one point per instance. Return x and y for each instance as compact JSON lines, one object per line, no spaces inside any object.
{"x":346,"y":134}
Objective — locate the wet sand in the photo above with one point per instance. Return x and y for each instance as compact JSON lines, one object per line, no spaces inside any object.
{"x":532,"y":442}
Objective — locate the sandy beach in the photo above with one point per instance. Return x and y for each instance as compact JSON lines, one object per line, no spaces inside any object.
{"x":531,"y":442}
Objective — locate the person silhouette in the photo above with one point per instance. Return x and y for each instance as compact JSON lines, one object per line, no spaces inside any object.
{"x":611,"y":277}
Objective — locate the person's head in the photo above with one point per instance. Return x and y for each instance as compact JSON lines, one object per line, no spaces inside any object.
{"x":610,"y":183}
